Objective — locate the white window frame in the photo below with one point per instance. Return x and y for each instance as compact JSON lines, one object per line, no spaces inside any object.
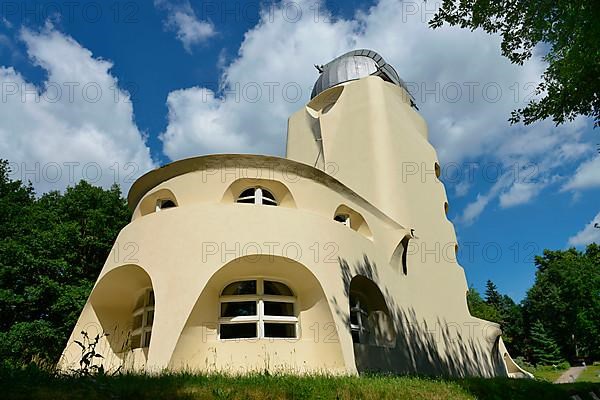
{"x":143,"y":310}
{"x":260,"y":318}
{"x":361,"y":327}
{"x":258,"y":197}
{"x":346,"y":219}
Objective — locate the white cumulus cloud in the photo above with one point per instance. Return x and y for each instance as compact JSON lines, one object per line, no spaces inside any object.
{"x":587,"y":176}
{"x":78,"y":124}
{"x":182,"y":20}
{"x":589,"y":234}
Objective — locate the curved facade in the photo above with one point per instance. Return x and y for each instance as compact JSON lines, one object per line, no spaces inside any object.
{"x":338,"y":258}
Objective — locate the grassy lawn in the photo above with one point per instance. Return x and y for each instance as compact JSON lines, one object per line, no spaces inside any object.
{"x":590,"y":374}
{"x":547,"y":372}
{"x":35,"y":384}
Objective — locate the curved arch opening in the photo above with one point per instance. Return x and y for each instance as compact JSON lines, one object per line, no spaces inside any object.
{"x":123,"y":305}
{"x":259,"y":191}
{"x":399,"y":259}
{"x":371,"y":323}
{"x":322,"y":103}
{"x":159,"y":200}
{"x":353,"y":220}
{"x":290,"y":288}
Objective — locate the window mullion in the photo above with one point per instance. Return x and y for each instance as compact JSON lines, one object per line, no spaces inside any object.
{"x":143,"y":332}
{"x":261,"y":318}
{"x":279,"y":298}
{"x":359,"y":320}
{"x":238,"y":297}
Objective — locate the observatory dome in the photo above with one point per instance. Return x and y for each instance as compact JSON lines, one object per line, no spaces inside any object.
{"x":354,"y":65}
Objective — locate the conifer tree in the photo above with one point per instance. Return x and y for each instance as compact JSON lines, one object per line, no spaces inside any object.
{"x":544,"y":349}
{"x":492,"y":296}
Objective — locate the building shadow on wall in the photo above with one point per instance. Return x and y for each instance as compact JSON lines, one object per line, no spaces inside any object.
{"x":447,"y":349}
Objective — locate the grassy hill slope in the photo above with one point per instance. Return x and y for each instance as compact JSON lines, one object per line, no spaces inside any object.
{"x":32,"y":383}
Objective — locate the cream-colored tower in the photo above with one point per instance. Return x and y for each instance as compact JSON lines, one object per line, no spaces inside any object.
{"x":338,"y":258}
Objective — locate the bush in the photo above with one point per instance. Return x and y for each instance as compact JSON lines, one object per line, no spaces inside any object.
{"x":563,"y":365}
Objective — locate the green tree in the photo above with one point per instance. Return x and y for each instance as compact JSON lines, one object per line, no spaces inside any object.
{"x":492,"y":296}
{"x":502,"y":310}
{"x":565,"y":298}
{"x":511,"y":322}
{"x":545,"y":351}
{"x":51,"y":252}
{"x":566,"y":32}
{"x":479,"y":308}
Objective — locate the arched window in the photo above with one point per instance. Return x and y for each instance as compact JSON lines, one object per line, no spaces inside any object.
{"x":163,"y":204}
{"x":257,"y":195}
{"x":143,"y":318}
{"x":257,"y":308}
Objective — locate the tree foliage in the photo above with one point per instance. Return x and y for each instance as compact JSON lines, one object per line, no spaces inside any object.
{"x":500,"y":309}
{"x":480,"y":308}
{"x":544,"y":349}
{"x":492,"y":296}
{"x":566,"y":32}
{"x":560,"y":316}
{"x":51,"y":252}
{"x":565,"y":298}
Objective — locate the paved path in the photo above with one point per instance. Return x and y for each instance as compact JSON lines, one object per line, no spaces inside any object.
{"x":570,"y":375}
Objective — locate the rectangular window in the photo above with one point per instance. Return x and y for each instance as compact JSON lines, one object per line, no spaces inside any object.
{"x":279,"y":309}
{"x":280,"y":330}
{"x":354,"y":317}
{"x":238,"y":309}
{"x":238,"y":331}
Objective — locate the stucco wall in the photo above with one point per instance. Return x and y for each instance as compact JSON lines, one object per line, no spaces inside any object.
{"x":189,"y":253}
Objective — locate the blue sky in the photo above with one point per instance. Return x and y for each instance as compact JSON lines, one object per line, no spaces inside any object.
{"x":173,"y":59}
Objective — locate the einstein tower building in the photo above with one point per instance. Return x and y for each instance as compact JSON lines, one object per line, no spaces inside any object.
{"x":338,"y":258}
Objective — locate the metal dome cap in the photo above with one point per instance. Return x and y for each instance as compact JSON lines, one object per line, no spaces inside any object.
{"x":354,"y":65}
